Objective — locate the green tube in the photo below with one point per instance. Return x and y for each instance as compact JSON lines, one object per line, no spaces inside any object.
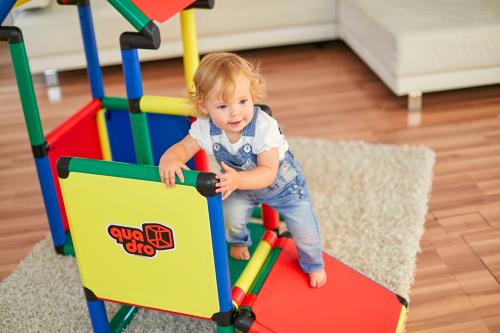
{"x":27,"y":93}
{"x":225,"y":329}
{"x":264,"y":272}
{"x":122,"y":318}
{"x":131,"y":13}
{"x":115,"y":103}
{"x":142,"y":141}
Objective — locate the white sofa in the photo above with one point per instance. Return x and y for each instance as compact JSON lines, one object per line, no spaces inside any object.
{"x":413,"y":46}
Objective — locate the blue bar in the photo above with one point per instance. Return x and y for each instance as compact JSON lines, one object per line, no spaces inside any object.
{"x":50,"y":201}
{"x":220,"y":252}
{"x":5,"y":8}
{"x":132,"y":73}
{"x":98,"y":317}
{"x":94,"y":72}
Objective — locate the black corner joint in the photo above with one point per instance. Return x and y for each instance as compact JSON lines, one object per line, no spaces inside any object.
{"x":62,"y":167}
{"x":59,"y":249}
{"x":81,"y":3}
{"x":89,"y":294}
{"x":286,"y":234}
{"x":244,"y":320}
{"x":13,"y":35}
{"x":40,"y":151}
{"x":202,"y":4}
{"x":224,"y":318}
{"x":134,"y":105}
{"x":205,"y":184}
{"x":148,"y":38}
{"x":266,"y":108}
{"x":402,"y":300}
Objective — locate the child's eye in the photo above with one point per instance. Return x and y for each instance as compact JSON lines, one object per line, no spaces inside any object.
{"x":243,"y":101}
{"x":221,"y":107}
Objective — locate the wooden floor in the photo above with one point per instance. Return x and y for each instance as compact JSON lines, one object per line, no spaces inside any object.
{"x":322,"y":91}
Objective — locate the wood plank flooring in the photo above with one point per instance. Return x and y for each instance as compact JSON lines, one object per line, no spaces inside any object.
{"x":322,"y":91}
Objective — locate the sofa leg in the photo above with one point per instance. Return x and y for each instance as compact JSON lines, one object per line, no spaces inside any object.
{"x":52,"y":85}
{"x":414,"y":108}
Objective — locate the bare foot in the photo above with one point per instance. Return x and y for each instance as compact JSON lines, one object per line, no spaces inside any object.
{"x":239,"y":252}
{"x":317,"y":279}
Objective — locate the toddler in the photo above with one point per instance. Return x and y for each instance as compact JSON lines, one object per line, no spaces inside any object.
{"x":253,"y":154}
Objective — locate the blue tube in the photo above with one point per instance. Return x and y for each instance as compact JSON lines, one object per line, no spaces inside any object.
{"x":132,"y":73}
{"x":98,"y":317}
{"x":94,"y":72}
{"x":5,"y":8}
{"x":220,"y":252}
{"x":50,"y":201}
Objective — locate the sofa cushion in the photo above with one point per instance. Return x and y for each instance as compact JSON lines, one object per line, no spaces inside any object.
{"x":410,"y":37}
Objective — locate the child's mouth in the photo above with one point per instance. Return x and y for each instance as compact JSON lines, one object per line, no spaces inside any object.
{"x":234,"y":123}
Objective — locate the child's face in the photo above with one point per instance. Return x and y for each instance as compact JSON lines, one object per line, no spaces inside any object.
{"x":236,"y":112}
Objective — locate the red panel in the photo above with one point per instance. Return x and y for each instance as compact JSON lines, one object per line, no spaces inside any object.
{"x":77,"y":136}
{"x":348,"y":303}
{"x":161,"y":10}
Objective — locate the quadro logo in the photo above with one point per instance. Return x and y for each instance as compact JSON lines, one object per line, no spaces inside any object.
{"x":144,"y":242}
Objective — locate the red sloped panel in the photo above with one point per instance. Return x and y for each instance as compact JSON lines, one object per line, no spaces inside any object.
{"x":77,"y":136}
{"x":348,"y":303}
{"x":161,"y":10}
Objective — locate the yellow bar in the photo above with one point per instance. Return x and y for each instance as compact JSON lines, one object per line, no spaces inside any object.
{"x":189,"y":43}
{"x":167,"y":105}
{"x":20,"y":3}
{"x":401,"y":323}
{"x":253,"y":267}
{"x":103,"y":135}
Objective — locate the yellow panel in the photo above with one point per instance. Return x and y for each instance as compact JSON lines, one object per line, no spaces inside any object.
{"x":181,"y":279}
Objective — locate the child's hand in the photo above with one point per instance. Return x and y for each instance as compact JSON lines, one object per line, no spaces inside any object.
{"x":228,"y":181}
{"x":169,"y":167}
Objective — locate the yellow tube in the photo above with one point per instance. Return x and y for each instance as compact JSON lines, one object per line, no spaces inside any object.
{"x":103,"y":135}
{"x":253,"y":267}
{"x":401,"y":322}
{"x":167,"y":105}
{"x":190,"y":46}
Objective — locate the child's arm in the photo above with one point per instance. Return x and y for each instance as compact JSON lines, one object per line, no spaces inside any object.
{"x":174,"y":159}
{"x":261,"y":176}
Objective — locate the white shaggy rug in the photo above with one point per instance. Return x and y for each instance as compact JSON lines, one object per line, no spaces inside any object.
{"x":370,"y":200}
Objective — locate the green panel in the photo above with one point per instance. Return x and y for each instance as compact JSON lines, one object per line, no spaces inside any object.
{"x":131,"y":13}
{"x":27,"y":93}
{"x":122,"y":318}
{"x":236,"y":267}
{"x":134,"y":171}
{"x":115,"y":103}
{"x":142,"y":141}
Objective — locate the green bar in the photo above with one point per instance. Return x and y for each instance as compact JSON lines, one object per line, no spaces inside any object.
{"x":142,"y":141}
{"x":115,"y":103}
{"x":122,"y":318}
{"x":126,"y":170}
{"x":265,"y":270}
{"x":69,"y":249}
{"x":27,"y":93}
{"x":131,"y":13}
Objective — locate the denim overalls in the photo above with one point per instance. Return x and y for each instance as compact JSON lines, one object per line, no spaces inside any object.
{"x":288,"y":195}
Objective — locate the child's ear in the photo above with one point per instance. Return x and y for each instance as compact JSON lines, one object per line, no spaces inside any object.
{"x":201,"y":107}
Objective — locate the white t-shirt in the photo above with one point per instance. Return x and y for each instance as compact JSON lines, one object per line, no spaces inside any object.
{"x":267,"y":136}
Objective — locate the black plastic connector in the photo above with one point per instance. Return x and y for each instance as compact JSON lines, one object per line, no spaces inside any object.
{"x":205,"y":184}
{"x":82,"y":3}
{"x":202,"y":4}
{"x":224,"y":318}
{"x":134,"y":105}
{"x":40,"y":151}
{"x":59,"y":249}
{"x":148,"y":38}
{"x":12,"y":35}
{"x":265,"y":108}
{"x":62,"y":167}
{"x":402,"y":300}
{"x":244,"y":320}
{"x":89,"y":294}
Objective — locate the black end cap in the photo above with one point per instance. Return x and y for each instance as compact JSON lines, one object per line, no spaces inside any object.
{"x":286,"y":234}
{"x":402,"y":300}
{"x":265,"y":108}
{"x":134,"y":105}
{"x":244,"y":320}
{"x":89,"y":294}
{"x":205,"y":184}
{"x":11,"y":34}
{"x":148,"y":38}
{"x":74,"y":2}
{"x":224,"y":318}
{"x":40,"y":151}
{"x":202,"y":4}
{"x":59,"y":249}
{"x":62,"y":167}
{"x":152,"y":32}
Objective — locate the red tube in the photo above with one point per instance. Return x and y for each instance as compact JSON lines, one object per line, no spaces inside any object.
{"x":270,"y":217}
